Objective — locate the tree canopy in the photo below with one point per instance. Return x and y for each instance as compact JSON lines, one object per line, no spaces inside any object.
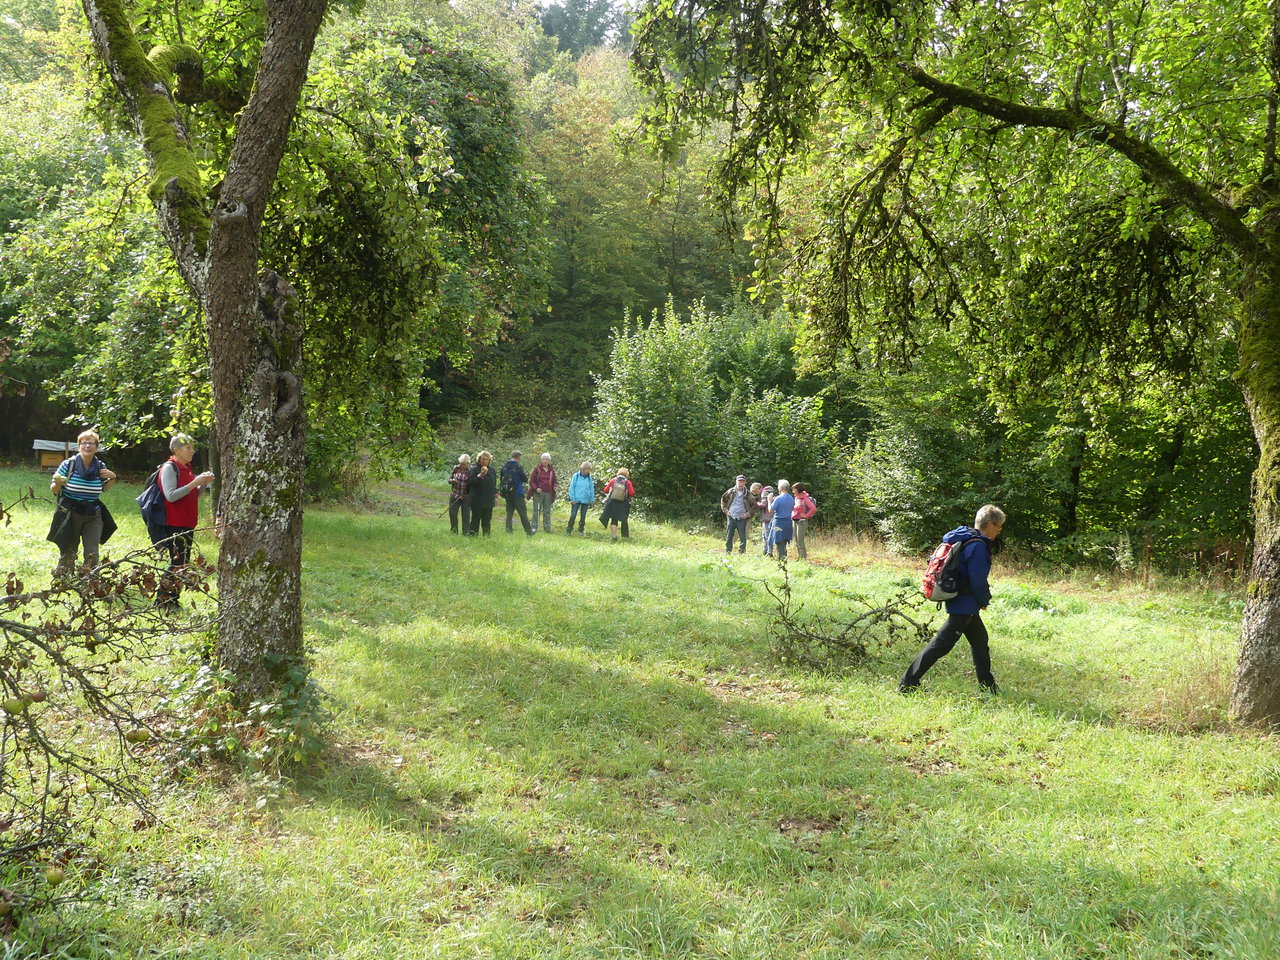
{"x":895,"y":156}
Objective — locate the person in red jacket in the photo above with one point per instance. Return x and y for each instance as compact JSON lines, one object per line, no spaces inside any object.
{"x":542,"y":491}
{"x":181,"y":488}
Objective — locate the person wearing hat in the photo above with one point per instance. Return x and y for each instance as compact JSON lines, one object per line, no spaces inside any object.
{"x":737,"y":504}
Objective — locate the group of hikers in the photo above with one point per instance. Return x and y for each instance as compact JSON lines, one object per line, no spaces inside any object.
{"x":784,"y":513}
{"x":81,"y":519}
{"x":475,"y":488}
{"x":957,"y":575}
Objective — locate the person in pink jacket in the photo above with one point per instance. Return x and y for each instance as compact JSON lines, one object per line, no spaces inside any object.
{"x":804,"y":509}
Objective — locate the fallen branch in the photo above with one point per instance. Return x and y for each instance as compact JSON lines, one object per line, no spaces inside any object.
{"x":833,"y":643}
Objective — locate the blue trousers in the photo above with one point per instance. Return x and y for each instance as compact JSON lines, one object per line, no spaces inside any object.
{"x":735,"y":526}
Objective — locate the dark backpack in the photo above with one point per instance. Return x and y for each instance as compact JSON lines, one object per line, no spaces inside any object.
{"x":507,"y":485}
{"x":151,"y":501}
{"x":944,"y":577}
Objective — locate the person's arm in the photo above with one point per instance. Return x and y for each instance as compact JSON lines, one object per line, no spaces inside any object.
{"x":631,"y":490}
{"x":169,"y":483}
{"x":978,"y":562}
{"x":59,"y":478}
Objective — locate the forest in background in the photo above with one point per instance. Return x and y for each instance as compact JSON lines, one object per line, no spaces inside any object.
{"x":489,"y":246}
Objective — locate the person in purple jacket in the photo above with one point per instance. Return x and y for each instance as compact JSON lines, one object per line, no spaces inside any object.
{"x":963,"y":611}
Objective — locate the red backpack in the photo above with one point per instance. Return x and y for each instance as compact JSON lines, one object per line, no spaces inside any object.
{"x":944,"y":577}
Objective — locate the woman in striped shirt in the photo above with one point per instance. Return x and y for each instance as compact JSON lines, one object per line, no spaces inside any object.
{"x":81,"y":480}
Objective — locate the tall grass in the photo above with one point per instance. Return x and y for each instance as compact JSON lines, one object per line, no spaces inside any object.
{"x":567,"y":748}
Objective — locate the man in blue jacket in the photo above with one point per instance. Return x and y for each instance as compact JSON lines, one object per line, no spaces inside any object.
{"x":513,"y":478}
{"x":963,"y":617}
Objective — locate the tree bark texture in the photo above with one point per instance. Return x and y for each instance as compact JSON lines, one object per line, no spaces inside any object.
{"x":1255,"y":696}
{"x":255,"y":334}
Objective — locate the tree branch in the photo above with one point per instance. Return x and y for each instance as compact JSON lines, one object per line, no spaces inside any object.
{"x":175,"y":183}
{"x":1224,"y":221}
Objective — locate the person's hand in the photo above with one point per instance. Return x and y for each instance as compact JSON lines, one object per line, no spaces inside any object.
{"x":106,"y":474}
{"x":60,"y":480}
{"x":204,"y":479}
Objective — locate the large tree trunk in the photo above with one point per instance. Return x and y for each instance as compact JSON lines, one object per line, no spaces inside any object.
{"x":255,"y":335}
{"x":1255,"y":697}
{"x":255,"y":359}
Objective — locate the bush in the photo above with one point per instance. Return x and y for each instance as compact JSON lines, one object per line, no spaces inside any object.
{"x":658,"y":414}
{"x":672,"y":411}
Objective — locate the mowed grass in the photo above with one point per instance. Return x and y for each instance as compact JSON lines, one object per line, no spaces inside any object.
{"x":562,"y":747}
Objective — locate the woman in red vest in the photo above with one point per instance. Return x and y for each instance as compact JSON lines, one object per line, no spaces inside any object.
{"x":181,"y":488}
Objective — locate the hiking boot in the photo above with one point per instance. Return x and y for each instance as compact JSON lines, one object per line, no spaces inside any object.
{"x":906,"y":689}
{"x":990,"y":689}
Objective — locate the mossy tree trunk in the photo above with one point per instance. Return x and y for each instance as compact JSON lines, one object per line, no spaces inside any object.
{"x":255,"y":335}
{"x":1255,"y":696}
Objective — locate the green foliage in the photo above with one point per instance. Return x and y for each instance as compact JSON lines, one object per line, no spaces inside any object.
{"x":119,"y":341}
{"x":684,"y":434}
{"x":270,"y":739}
{"x":625,"y":233}
{"x":403,"y":216}
{"x":29,"y":42}
{"x":580,"y":25}
{"x":657,"y":413}
{"x":1103,"y":476}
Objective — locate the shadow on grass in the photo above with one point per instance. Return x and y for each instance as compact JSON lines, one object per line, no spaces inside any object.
{"x":605,"y":791}
{"x":596,"y":596}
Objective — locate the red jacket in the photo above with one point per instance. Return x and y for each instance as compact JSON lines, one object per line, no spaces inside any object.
{"x":543,"y":479}
{"x":631,"y":490}
{"x":185,"y":511}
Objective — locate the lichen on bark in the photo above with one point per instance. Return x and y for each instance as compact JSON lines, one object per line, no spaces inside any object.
{"x":175,"y":185}
{"x":1256,"y":692}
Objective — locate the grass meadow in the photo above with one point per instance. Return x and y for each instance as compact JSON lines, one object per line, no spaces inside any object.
{"x":560,"y":747}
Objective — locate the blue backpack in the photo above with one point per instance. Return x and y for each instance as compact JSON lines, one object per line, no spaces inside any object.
{"x":151,"y":501}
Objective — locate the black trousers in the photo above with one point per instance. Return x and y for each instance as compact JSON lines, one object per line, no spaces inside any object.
{"x":578,"y":511}
{"x":480,"y":517}
{"x":178,"y":541}
{"x":957,"y":625}
{"x":516,"y":505}
{"x":457,"y":507}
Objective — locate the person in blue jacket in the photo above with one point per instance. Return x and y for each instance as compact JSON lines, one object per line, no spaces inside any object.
{"x":582,"y":495}
{"x":963,"y":611}
{"x":783,"y":504}
{"x":513,"y":479}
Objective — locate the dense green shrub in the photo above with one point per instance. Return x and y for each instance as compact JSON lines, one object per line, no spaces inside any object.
{"x":657,"y":413}
{"x":676,"y":412}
